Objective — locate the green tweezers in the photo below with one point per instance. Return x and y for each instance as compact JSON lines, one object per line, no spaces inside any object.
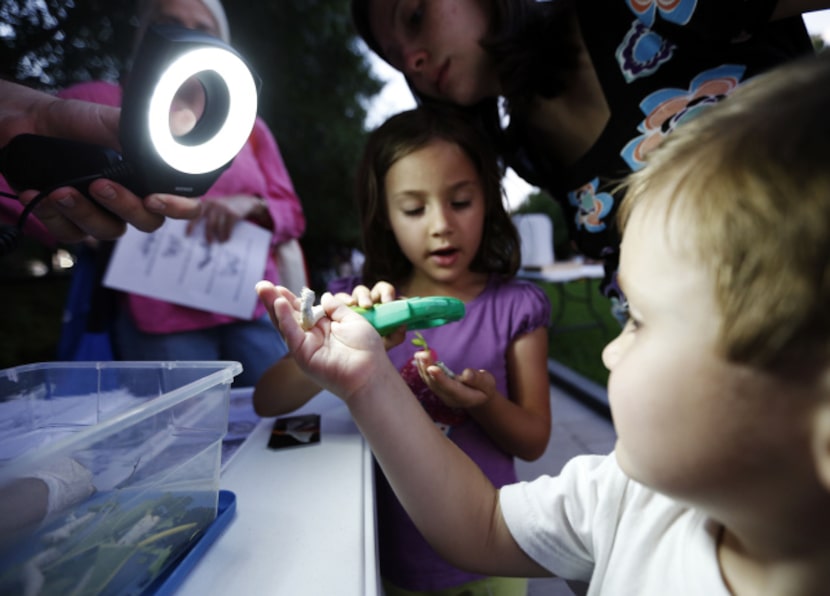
{"x":414,"y":313}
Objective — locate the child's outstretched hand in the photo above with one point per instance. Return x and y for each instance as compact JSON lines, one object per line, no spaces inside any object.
{"x":469,"y":389}
{"x":365,"y":297}
{"x":340,"y":352}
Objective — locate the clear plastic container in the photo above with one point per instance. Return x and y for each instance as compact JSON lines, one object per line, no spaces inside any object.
{"x":109,"y":471}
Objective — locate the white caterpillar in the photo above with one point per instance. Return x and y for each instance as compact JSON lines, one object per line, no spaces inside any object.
{"x":310,"y":314}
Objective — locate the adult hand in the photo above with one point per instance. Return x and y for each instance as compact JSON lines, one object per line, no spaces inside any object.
{"x":220,"y":214}
{"x":364,"y":297}
{"x":65,"y":212}
{"x":71,"y":217}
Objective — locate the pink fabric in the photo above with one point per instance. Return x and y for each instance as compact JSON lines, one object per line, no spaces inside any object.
{"x":259,"y":171}
{"x":10,"y":210}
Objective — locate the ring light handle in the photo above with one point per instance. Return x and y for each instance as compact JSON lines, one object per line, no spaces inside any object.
{"x":23,"y":162}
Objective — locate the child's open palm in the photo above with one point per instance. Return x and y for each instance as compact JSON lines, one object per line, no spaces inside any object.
{"x":340,"y":352}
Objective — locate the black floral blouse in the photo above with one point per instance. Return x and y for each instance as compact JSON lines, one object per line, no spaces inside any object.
{"x":659,"y":63}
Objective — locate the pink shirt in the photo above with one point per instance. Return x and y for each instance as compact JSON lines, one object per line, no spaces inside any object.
{"x":257,"y":171}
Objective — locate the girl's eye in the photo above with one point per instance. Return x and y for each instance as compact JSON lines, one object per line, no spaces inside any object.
{"x":413,"y":212}
{"x":459,"y":204}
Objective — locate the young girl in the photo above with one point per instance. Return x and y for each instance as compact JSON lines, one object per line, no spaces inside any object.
{"x":590,"y":85}
{"x":434,"y":224}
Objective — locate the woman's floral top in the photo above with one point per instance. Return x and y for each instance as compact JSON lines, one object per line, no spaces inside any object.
{"x":659,"y":63}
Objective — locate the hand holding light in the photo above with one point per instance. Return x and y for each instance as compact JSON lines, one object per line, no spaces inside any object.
{"x":189,"y":107}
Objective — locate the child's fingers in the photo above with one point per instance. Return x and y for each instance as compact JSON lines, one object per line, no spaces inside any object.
{"x":423,"y":360}
{"x":467,"y":390}
{"x":480,"y":380}
{"x":361,"y":296}
{"x":383,"y":292}
{"x":434,"y":374}
{"x":448,"y":389}
{"x":350,"y":330}
{"x":336,"y":309}
{"x":395,"y":338}
{"x":284,"y":313}
{"x":267,"y":293}
{"x":347,"y":298}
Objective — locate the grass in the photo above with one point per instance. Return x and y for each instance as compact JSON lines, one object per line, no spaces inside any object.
{"x":576,"y":340}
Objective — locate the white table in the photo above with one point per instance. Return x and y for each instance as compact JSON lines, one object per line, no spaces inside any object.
{"x":305,"y":516}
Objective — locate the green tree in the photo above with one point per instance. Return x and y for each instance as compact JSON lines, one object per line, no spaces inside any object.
{"x":317,"y":83}
{"x":49,"y":44}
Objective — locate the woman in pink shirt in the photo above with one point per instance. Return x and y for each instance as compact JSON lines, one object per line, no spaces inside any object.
{"x":257,"y":188}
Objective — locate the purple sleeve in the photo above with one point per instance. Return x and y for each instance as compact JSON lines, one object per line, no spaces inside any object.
{"x":531,"y":306}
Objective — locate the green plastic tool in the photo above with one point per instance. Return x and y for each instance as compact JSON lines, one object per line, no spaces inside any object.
{"x":414,"y":313}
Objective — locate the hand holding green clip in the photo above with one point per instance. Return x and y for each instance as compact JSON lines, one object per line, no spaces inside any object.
{"x":413,"y":313}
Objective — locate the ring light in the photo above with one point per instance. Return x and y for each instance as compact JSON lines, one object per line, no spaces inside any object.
{"x":154,"y":159}
{"x":221,"y":147}
{"x":189,"y":164}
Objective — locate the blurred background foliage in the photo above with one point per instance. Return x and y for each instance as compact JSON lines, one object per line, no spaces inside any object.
{"x":50,"y":44}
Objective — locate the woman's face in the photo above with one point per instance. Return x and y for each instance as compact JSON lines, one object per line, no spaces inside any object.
{"x":435,"y":43}
{"x":191,"y":14}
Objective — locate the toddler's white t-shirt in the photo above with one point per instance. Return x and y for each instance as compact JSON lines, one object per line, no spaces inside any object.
{"x":593,"y":523}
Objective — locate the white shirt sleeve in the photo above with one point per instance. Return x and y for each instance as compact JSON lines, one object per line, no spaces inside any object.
{"x":553,"y":519}
{"x":592,"y":523}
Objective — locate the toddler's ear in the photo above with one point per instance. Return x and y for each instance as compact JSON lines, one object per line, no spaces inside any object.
{"x":821,"y":441}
